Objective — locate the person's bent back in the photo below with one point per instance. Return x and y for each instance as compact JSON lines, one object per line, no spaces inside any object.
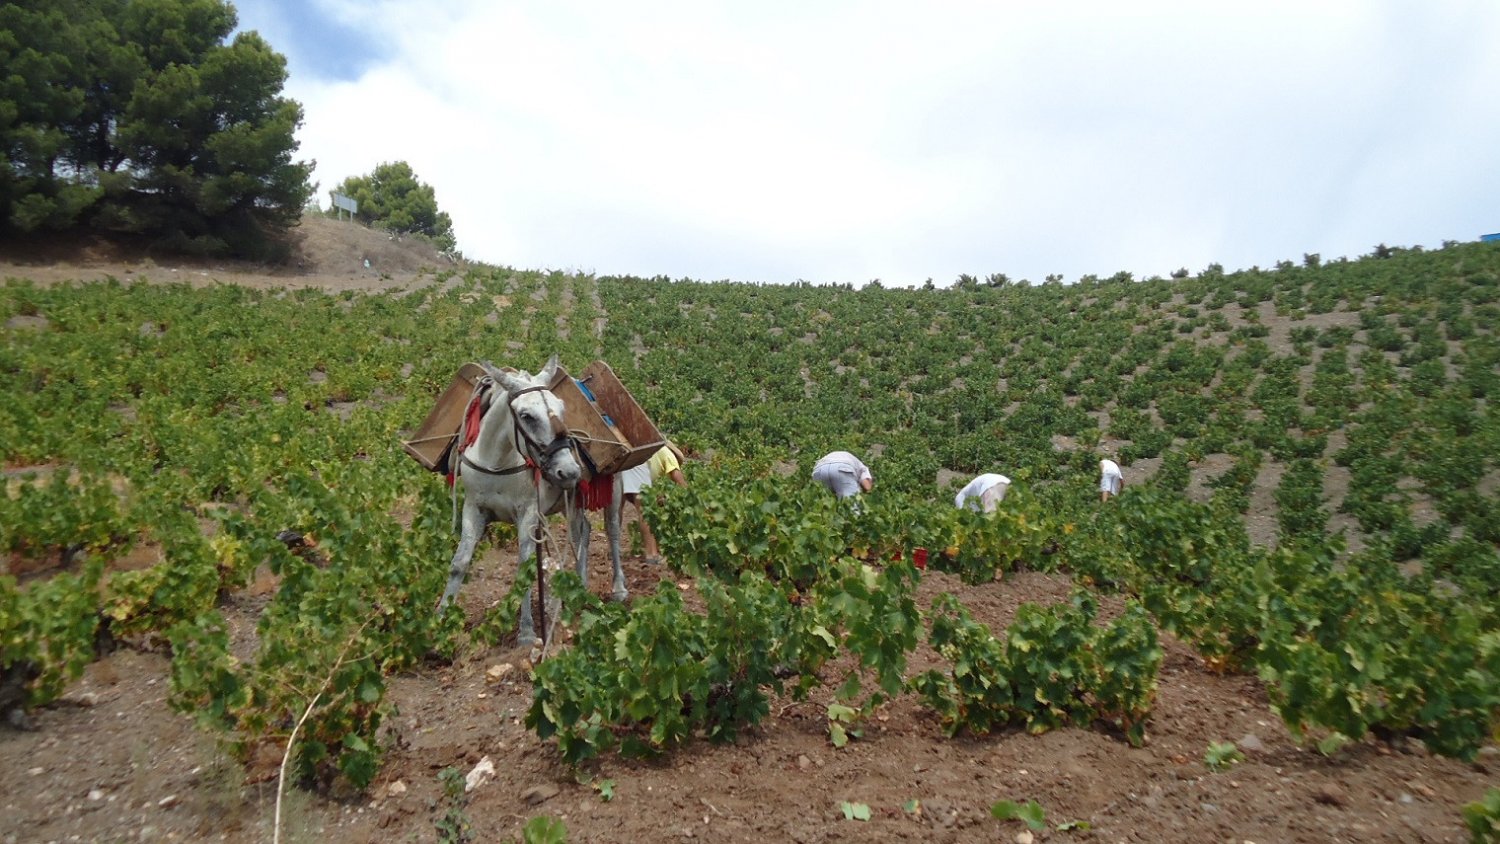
{"x":843,"y":474}
{"x":984,"y":493}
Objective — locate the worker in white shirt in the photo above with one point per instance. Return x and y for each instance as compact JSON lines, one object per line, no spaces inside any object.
{"x":1110,"y":479}
{"x":984,"y":493}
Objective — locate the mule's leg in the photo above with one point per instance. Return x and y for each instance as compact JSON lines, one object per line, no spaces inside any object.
{"x":612,"y":516}
{"x":578,"y":532}
{"x":526,"y":529}
{"x":474,"y":524}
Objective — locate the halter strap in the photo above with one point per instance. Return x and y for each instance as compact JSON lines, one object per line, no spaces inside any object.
{"x":488,"y":471}
{"x":560,"y":442}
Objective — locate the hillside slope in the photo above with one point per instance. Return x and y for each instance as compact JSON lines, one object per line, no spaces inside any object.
{"x":325,"y":253}
{"x":159,"y":439}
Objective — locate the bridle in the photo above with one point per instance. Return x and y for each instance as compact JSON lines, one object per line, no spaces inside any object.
{"x":559,"y":442}
{"x":526,"y":445}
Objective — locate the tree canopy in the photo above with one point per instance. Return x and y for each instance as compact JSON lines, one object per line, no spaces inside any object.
{"x":136,"y":116}
{"x":391,"y":197}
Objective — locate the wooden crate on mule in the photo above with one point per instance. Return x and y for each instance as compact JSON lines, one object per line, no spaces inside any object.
{"x":440,"y":428}
{"x":611,"y":429}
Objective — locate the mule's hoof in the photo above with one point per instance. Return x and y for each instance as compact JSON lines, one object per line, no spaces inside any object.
{"x":653,"y":561}
{"x":530,"y":641}
{"x":619,"y":596}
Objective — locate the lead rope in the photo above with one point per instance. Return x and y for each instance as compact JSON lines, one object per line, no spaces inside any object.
{"x":541,"y":540}
{"x":551,"y":626}
{"x":569,"y":505}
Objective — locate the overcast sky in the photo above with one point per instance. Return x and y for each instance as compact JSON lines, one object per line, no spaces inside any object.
{"x":847,"y":141}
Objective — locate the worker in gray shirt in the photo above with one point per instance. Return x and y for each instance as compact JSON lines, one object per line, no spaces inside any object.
{"x":843,"y":474}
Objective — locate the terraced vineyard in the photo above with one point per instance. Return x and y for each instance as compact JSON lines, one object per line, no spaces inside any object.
{"x":1304,"y":561}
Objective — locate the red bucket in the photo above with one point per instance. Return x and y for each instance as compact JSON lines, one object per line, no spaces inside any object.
{"x":919,"y":557}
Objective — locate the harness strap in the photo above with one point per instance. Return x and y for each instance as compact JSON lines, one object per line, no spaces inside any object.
{"x":488,"y":471}
{"x":558,"y":443}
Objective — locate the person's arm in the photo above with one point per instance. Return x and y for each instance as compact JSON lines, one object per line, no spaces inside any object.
{"x":866,"y":483}
{"x":677,"y":477}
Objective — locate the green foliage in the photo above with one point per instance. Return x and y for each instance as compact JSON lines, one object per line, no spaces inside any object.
{"x":391,"y":197}
{"x":1222,"y":755}
{"x":1031,"y":813}
{"x":46,"y":635}
{"x":1174,"y":473}
{"x":1349,"y":650}
{"x":1053,"y":668}
{"x":330,"y":635}
{"x":721,"y":525}
{"x":648,"y":679}
{"x":57,"y":517}
{"x":544,"y":829}
{"x":175,"y":412}
{"x":881,"y":625}
{"x":1232,"y":489}
{"x":840,"y":718}
{"x":454,"y":827}
{"x":855,"y":811}
{"x":185,"y":584}
{"x":1482,"y":817}
{"x":1299,"y":503}
{"x":978,"y":546}
{"x":500,"y":620}
{"x":1187,"y":563}
{"x":139,"y":118}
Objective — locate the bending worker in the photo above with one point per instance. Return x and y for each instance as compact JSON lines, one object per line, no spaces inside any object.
{"x":843,"y":474}
{"x":984,"y":493}
{"x":667,"y":461}
{"x":1111,"y":481}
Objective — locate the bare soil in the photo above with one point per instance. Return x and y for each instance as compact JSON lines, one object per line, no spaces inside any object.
{"x":111,"y":762}
{"x":328,"y":254}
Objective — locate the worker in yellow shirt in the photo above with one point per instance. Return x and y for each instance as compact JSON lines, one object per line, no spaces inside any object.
{"x":666,"y":462}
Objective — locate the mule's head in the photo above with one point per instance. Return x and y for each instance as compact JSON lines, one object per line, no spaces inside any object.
{"x":538,"y":418}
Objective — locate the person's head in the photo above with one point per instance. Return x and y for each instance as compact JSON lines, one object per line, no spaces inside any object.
{"x":676,"y":452}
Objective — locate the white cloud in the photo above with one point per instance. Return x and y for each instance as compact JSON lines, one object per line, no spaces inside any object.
{"x":842,"y":142}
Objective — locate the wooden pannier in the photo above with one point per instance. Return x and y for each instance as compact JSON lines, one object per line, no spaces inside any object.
{"x":612,"y":430}
{"x":440,"y":428}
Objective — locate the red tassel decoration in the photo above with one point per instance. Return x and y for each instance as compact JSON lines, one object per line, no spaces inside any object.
{"x":596,"y":494}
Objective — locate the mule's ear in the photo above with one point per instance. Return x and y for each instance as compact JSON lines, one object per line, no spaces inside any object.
{"x":510,"y":380}
{"x":549,"y":372}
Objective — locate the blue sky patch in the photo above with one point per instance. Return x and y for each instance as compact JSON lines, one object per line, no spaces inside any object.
{"x":314,"y":43}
